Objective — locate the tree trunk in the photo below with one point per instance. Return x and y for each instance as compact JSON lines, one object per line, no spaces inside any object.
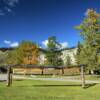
{"x":83,"y":76}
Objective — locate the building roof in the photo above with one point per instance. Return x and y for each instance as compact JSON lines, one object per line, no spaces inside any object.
{"x":68,"y":48}
{"x":3,"y":49}
{"x":31,"y":66}
{"x":41,"y":49}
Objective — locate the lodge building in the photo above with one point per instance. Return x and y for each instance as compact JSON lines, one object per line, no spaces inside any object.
{"x":47,"y":69}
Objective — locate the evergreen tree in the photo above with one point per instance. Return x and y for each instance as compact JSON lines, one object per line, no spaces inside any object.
{"x":53,"y":54}
{"x":90,"y":32}
{"x":77,"y":55}
{"x":3,"y":57}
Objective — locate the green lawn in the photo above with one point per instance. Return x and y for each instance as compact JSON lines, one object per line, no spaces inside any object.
{"x":48,"y":90}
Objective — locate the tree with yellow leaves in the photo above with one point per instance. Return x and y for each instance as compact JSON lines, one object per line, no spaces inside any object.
{"x":26,"y":53}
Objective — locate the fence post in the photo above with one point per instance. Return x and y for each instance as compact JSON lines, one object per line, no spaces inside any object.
{"x":42,"y":71}
{"x":83,"y":76}
{"x":62,"y":70}
{"x":9,"y":76}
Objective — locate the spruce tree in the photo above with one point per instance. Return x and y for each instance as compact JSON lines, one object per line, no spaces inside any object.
{"x":90,"y":33}
{"x":53,"y":54}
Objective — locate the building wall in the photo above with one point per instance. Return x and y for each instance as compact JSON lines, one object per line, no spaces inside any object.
{"x":71,"y":52}
{"x":42,"y":58}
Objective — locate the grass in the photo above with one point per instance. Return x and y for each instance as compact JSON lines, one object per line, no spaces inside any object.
{"x":48,"y":90}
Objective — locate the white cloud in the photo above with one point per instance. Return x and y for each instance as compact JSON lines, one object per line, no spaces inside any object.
{"x":11,"y":44}
{"x":8,"y":9}
{"x":87,"y":12}
{"x":11,"y":3}
{"x":1,"y":13}
{"x":8,"y":6}
{"x":44,"y":43}
{"x":7,"y":42}
{"x":14,"y":44}
{"x":64,"y":44}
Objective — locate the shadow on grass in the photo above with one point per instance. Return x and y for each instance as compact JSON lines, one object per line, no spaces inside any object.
{"x":56,"y":85}
{"x":68,"y":85}
{"x":89,"y":85}
{"x":72,"y":85}
{"x":18,"y":80}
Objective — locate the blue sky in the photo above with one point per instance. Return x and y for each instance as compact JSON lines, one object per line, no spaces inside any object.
{"x":36,"y":20}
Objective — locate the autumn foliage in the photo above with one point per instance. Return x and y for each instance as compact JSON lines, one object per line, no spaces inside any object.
{"x":26,"y":53}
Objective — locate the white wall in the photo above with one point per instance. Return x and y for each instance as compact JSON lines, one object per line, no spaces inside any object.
{"x":71,"y":53}
{"x":65,"y":53}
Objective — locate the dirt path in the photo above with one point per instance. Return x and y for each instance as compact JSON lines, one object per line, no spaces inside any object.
{"x":4,"y":77}
{"x":57,"y":79}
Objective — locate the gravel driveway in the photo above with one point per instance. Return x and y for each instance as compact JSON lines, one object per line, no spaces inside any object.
{"x":3,"y":77}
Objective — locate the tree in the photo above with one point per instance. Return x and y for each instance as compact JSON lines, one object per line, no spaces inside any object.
{"x":53,"y":54}
{"x":90,"y":33}
{"x":68,"y":61}
{"x":77,"y":55}
{"x":26,"y":53}
{"x":3,"y":58}
{"x":11,"y":57}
